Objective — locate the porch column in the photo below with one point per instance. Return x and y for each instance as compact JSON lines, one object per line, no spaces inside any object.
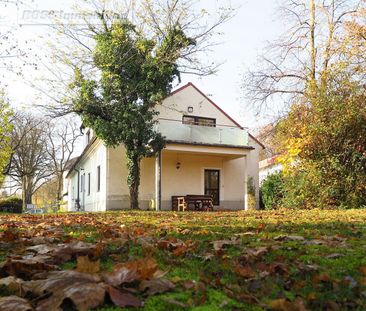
{"x":158,"y":181}
{"x":246,"y":207}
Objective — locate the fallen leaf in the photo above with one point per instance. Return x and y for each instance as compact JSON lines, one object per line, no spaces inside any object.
{"x":219,"y":245}
{"x":10,"y":235}
{"x":323,"y":277}
{"x":363,"y":270}
{"x":41,"y":249}
{"x":285,"y":305}
{"x":156,"y":286}
{"x":13,"y":284}
{"x":24,"y":268}
{"x":83,"y":295}
{"x":14,"y":303}
{"x":66,"y":252}
{"x":85,"y":265}
{"x":123,"y":299}
{"x":245,"y":271}
{"x":131,"y":271}
{"x":289,"y":238}
{"x":120,"y":275}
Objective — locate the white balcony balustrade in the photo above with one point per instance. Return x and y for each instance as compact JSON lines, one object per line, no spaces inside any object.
{"x":175,"y":130}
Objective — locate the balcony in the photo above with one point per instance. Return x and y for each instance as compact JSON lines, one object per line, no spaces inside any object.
{"x":175,"y":130}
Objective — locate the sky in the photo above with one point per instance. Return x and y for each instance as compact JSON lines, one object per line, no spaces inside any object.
{"x":243,"y":40}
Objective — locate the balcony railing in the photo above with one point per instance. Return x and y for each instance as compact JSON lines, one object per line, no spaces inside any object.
{"x":220,"y":135}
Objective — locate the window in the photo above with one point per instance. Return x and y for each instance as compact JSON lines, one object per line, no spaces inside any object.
{"x":88,"y":137}
{"x":88,"y":183}
{"x":98,"y":178}
{"x":194,"y":120}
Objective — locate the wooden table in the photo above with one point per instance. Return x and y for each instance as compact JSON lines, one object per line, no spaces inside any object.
{"x":193,"y":202}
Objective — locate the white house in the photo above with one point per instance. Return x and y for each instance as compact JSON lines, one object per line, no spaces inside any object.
{"x":206,"y":152}
{"x":268,"y":167}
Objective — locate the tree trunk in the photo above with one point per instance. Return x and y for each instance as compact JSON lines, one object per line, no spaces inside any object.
{"x":59,"y":188}
{"x":312,"y":41}
{"x":26,"y":191}
{"x":134,"y":181}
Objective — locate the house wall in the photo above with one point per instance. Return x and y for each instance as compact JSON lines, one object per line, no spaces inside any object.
{"x":117,"y":189}
{"x":96,"y":200}
{"x":175,"y":106}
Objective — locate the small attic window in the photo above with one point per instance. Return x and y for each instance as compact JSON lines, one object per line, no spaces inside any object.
{"x":88,"y":136}
{"x":202,"y":121}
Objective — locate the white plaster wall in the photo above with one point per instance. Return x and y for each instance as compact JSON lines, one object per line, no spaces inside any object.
{"x":175,"y":106}
{"x":96,"y":200}
{"x":269,"y":170}
{"x":117,"y":189}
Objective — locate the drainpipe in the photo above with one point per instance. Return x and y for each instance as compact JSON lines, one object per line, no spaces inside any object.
{"x":77,"y":202}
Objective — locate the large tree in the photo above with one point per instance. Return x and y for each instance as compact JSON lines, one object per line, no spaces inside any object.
{"x":5,"y":135}
{"x":30,"y":165}
{"x":303,"y":55}
{"x":136,"y":73}
{"x":63,"y":136}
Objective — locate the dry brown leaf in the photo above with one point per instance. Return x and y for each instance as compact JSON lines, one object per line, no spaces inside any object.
{"x":14,"y":303}
{"x":85,"y":265}
{"x":66,"y":252}
{"x":219,"y":245}
{"x":323,"y":277}
{"x":363,"y":270}
{"x":156,"y":286}
{"x":245,"y":271}
{"x":120,"y":275}
{"x":83,"y":295}
{"x":285,"y":305}
{"x":123,"y":299}
{"x":41,"y":249}
{"x":13,"y":284}
{"x":24,"y":268}
{"x":145,"y":268}
{"x":289,"y":238}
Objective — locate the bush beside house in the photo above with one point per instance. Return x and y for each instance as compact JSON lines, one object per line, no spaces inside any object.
{"x":272,"y":190}
{"x":11,"y":205}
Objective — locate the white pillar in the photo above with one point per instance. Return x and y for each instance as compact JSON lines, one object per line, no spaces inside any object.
{"x":158,"y":181}
{"x":246,"y":207}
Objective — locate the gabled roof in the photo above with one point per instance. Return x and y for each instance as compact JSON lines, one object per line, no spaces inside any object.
{"x":178,"y":90}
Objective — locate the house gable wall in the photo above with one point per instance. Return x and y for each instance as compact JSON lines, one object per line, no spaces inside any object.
{"x":176,"y":105}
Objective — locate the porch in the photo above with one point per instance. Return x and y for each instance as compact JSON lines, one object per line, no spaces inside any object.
{"x":187,"y":169}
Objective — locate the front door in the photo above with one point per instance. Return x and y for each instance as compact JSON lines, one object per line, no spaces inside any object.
{"x":212,"y":185}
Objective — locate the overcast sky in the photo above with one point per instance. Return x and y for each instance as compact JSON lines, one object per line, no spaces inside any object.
{"x":244,"y":38}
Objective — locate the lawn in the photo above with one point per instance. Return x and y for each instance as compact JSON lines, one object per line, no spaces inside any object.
{"x":257,"y":260}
